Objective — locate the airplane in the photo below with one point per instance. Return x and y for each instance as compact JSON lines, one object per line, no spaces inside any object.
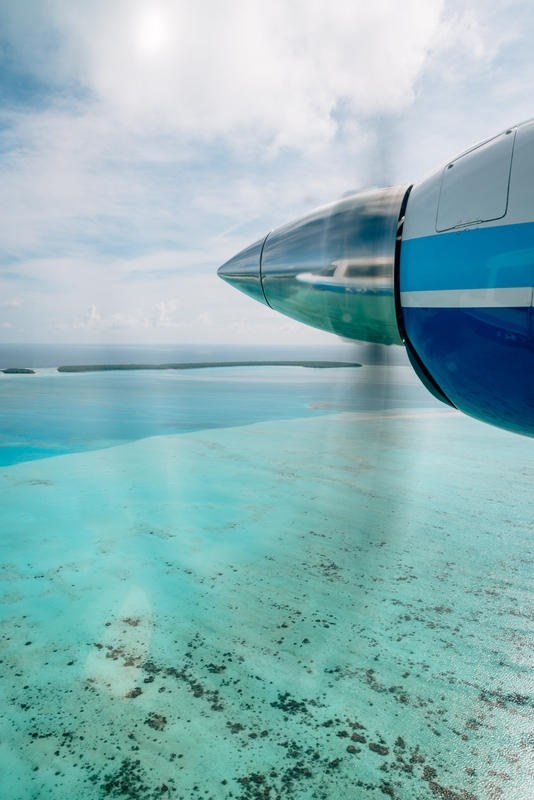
{"x":443,"y":267}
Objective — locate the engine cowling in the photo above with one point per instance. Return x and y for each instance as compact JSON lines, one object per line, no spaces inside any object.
{"x":445,"y":267}
{"x":333,"y":268}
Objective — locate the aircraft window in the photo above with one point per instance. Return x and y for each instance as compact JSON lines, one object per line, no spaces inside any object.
{"x":474,"y":187}
{"x":368,"y":270}
{"x":355,"y":272}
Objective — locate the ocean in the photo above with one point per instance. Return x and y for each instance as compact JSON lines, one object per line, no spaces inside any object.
{"x":262,"y":582}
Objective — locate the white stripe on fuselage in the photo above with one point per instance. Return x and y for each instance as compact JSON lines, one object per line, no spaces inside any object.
{"x":513,"y":297}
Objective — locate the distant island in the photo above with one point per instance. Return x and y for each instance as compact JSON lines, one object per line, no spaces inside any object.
{"x":17,"y":371}
{"x":207,"y":364}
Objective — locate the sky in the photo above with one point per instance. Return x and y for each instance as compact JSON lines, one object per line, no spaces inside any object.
{"x":144,"y":143}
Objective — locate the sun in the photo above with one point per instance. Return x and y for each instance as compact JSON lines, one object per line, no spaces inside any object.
{"x":152,"y":32}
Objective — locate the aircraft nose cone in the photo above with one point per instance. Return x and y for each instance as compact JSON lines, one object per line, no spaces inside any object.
{"x":243,"y":271}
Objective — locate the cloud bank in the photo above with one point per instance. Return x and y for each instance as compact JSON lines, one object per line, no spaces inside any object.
{"x":143,"y":143}
{"x":283,"y":73}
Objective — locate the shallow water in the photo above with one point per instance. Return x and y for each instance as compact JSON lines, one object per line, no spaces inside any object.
{"x":53,"y":413}
{"x":223,"y":612}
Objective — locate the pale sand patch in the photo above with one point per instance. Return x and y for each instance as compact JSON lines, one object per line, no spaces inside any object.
{"x":115,"y":663}
{"x":423,"y":413}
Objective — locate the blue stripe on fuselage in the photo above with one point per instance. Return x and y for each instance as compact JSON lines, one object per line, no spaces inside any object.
{"x":472,"y":258}
{"x":481,"y":359}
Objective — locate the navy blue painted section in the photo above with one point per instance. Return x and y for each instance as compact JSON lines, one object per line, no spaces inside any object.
{"x":494,"y":257}
{"x":481,"y":358}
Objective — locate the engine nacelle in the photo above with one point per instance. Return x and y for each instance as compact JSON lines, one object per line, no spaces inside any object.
{"x":445,"y":267}
{"x":333,"y":268}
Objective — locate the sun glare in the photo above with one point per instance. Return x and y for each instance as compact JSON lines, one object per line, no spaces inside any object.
{"x":152,"y":33}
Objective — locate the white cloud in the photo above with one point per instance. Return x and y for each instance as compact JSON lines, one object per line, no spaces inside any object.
{"x":273,"y":74}
{"x":176,"y":133}
{"x":5,"y":325}
{"x":15,"y":302}
{"x":93,"y":320}
{"x":162,"y":317}
{"x":205,"y":319}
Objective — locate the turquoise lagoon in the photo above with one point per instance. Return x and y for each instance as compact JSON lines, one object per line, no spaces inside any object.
{"x":262,"y":584}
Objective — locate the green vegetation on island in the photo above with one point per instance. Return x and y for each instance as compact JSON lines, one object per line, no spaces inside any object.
{"x":207,"y":364}
{"x":17,"y":371}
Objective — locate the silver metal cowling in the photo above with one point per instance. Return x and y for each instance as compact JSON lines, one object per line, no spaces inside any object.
{"x":334,"y":268}
{"x":243,"y":271}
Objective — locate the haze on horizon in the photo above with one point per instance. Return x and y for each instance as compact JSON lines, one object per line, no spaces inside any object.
{"x":144,"y":143}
